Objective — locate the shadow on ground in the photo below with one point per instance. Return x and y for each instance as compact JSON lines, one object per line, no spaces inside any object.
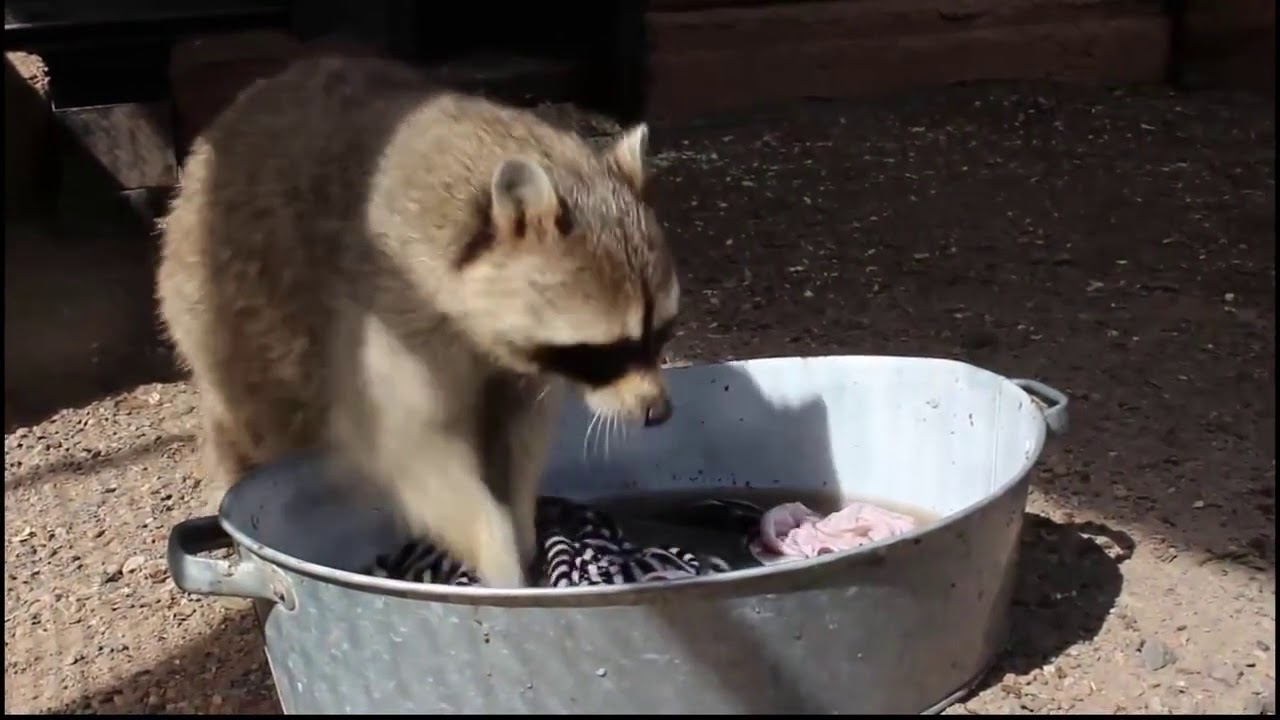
{"x":224,"y":672}
{"x":79,"y":319}
{"x":1069,"y":580}
{"x":135,"y":453}
{"x":79,"y":313}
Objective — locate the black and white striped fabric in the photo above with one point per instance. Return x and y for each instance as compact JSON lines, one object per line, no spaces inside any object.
{"x":579,"y":547}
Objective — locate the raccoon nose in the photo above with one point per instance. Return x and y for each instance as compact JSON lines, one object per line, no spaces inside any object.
{"x":658,"y":411}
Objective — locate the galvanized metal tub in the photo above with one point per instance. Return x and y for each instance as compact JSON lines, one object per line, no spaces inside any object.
{"x":904,"y":626}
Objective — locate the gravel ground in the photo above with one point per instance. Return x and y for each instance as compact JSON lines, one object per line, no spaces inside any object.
{"x":1119,"y":246}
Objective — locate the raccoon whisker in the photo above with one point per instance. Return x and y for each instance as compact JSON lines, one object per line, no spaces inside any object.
{"x":598,"y":443}
{"x":616,"y":429}
{"x":586,"y":436}
{"x":608,"y":433}
{"x":598,"y":431}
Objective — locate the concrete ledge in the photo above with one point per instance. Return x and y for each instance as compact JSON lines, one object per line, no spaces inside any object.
{"x":133,"y":142}
{"x":723,"y":59}
{"x":1231,"y":44}
{"x":206,"y":73}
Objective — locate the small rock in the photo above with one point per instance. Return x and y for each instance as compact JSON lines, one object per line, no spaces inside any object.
{"x":601,"y":672}
{"x":1263,"y":704}
{"x":1263,"y":646}
{"x":1033,"y":703}
{"x":133,"y":563}
{"x":1154,"y":704}
{"x":157,"y":570}
{"x":112,"y":573}
{"x":1156,"y":654}
{"x":1225,"y":673}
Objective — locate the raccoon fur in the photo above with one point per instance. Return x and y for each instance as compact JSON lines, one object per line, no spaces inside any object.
{"x":404,"y":277}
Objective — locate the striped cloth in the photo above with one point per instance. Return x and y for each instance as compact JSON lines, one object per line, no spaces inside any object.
{"x":579,"y":547}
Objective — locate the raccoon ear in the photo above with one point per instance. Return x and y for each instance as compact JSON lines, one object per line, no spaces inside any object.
{"x":522,"y":194}
{"x":627,"y":154}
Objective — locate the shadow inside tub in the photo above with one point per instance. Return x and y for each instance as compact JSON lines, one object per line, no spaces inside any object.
{"x":730,"y":652}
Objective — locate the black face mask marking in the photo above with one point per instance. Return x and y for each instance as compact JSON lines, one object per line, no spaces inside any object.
{"x":600,"y":364}
{"x":597,"y":365}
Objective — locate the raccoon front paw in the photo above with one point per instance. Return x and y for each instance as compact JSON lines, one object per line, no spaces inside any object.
{"x":500,"y":562}
{"x":505,"y":572}
{"x":527,"y":536}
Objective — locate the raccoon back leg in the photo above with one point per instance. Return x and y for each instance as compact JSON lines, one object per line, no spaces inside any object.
{"x":223,"y":459}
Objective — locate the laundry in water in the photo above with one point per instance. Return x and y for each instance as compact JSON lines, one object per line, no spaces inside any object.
{"x":578,"y":547}
{"x":793,"y":531}
{"x":581,"y":546}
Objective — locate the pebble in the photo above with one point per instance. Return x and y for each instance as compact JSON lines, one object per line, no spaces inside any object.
{"x":1225,"y":673}
{"x":1156,"y":654}
{"x":601,"y":672}
{"x":112,"y":573}
{"x":157,"y":570}
{"x":1264,"y":704}
{"x":1033,"y":703}
{"x":133,"y":563}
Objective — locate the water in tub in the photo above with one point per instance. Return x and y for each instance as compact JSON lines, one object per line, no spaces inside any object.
{"x":677,"y":535}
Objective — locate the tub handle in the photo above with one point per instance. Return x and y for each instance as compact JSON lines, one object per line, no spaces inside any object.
{"x":239,"y":577}
{"x":1053,"y":404}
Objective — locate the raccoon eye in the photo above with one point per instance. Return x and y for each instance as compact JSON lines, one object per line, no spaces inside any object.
{"x":662,"y":335}
{"x":564,"y":218}
{"x":593,"y":365}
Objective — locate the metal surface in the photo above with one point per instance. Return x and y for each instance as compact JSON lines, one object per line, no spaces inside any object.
{"x":896,"y":627}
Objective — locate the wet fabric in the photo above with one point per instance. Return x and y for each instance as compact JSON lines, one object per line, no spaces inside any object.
{"x":793,"y":531}
{"x":578,"y":546}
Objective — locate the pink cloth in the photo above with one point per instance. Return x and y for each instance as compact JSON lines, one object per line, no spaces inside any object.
{"x":792,"y":531}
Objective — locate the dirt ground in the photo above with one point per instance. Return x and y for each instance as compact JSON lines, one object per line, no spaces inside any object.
{"x":1117,"y":245}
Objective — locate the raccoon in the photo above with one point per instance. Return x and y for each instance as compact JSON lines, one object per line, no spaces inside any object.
{"x":406,"y":277}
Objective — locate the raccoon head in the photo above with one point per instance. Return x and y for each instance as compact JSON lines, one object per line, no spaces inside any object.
{"x":575,"y":279}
